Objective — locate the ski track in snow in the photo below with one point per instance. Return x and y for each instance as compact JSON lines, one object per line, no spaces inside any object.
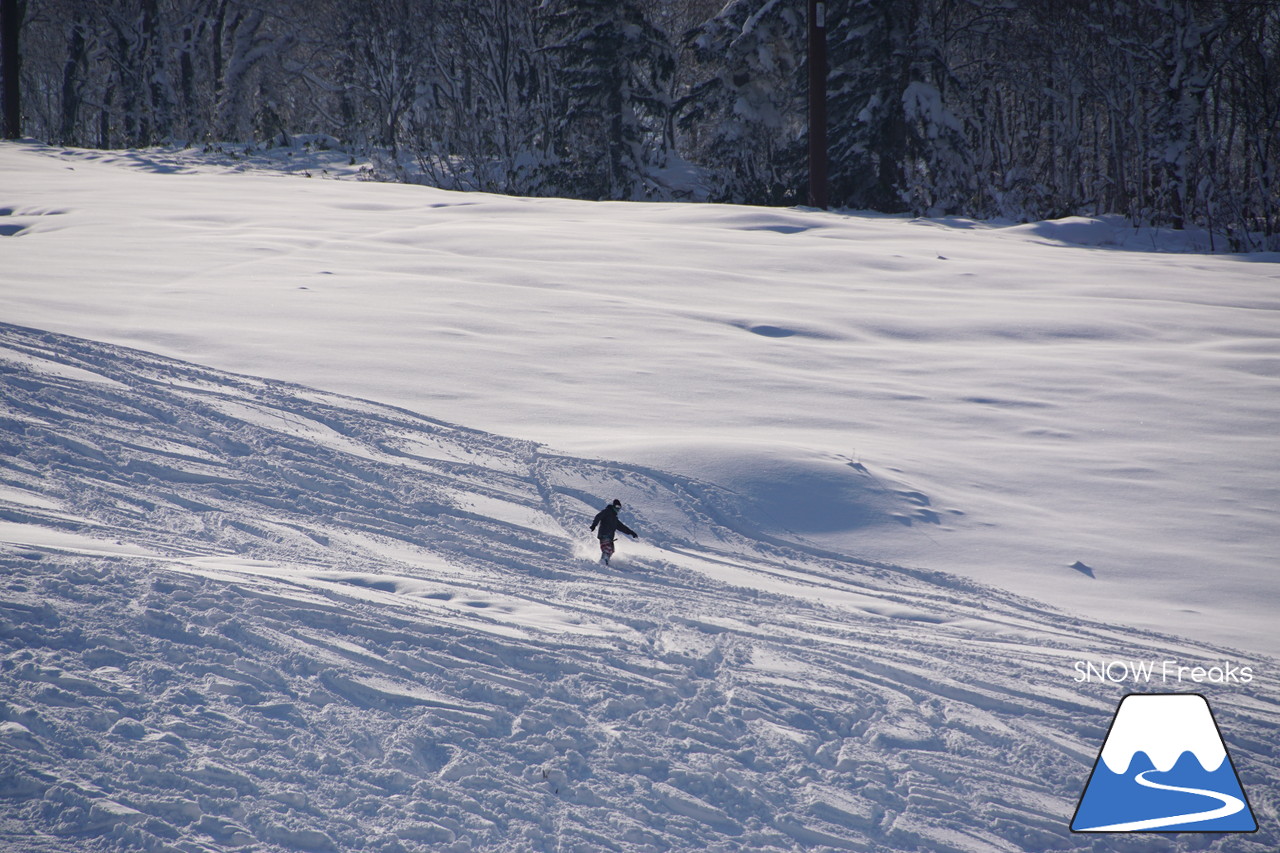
{"x":239,"y":613}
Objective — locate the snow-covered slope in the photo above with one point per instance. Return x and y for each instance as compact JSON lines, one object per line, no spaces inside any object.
{"x":240,"y":612}
{"x":1025,"y":404}
{"x":295,"y":478}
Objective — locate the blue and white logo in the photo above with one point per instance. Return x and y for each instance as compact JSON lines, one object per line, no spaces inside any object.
{"x":1163,"y":768}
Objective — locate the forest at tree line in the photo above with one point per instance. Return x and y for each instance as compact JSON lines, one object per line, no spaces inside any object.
{"x":1164,"y":111}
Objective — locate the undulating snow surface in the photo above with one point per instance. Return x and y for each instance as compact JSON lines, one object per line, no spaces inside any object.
{"x":1020,"y":406}
{"x":893,"y":480}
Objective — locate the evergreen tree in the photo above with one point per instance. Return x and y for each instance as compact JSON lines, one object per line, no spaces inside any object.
{"x":1165,"y":111}
{"x":868,"y":44}
{"x":612,"y":70}
{"x":897,"y":141}
{"x":747,"y":119}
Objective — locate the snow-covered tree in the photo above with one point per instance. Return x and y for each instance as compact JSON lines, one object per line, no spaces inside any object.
{"x":1163,"y":110}
{"x":898,"y":142}
{"x":481,"y":118}
{"x":1241,"y":175}
{"x":611,"y":71}
{"x":384,"y":47}
{"x":746,"y":119}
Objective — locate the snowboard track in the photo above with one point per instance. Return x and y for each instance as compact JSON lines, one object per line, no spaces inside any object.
{"x":244,"y":614}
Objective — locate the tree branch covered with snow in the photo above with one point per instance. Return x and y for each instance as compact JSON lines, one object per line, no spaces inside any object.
{"x":1164,"y":111}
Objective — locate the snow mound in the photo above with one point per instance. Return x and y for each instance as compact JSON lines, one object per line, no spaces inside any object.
{"x":792,"y":491}
{"x":1117,"y":232}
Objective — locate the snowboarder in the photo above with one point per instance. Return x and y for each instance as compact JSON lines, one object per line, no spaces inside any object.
{"x":609,"y":523}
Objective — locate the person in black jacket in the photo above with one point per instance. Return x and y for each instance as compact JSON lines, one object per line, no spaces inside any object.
{"x":609,"y":524}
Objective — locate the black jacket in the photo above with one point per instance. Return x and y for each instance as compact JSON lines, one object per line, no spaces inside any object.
{"x":609,"y":523}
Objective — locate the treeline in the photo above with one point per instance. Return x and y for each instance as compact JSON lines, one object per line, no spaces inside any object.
{"x":1166,"y":111}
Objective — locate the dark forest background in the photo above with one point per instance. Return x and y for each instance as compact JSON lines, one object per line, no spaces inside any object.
{"x":1165,"y":111}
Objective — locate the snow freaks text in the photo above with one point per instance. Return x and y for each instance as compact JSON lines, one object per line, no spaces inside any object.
{"x":1159,"y":672}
